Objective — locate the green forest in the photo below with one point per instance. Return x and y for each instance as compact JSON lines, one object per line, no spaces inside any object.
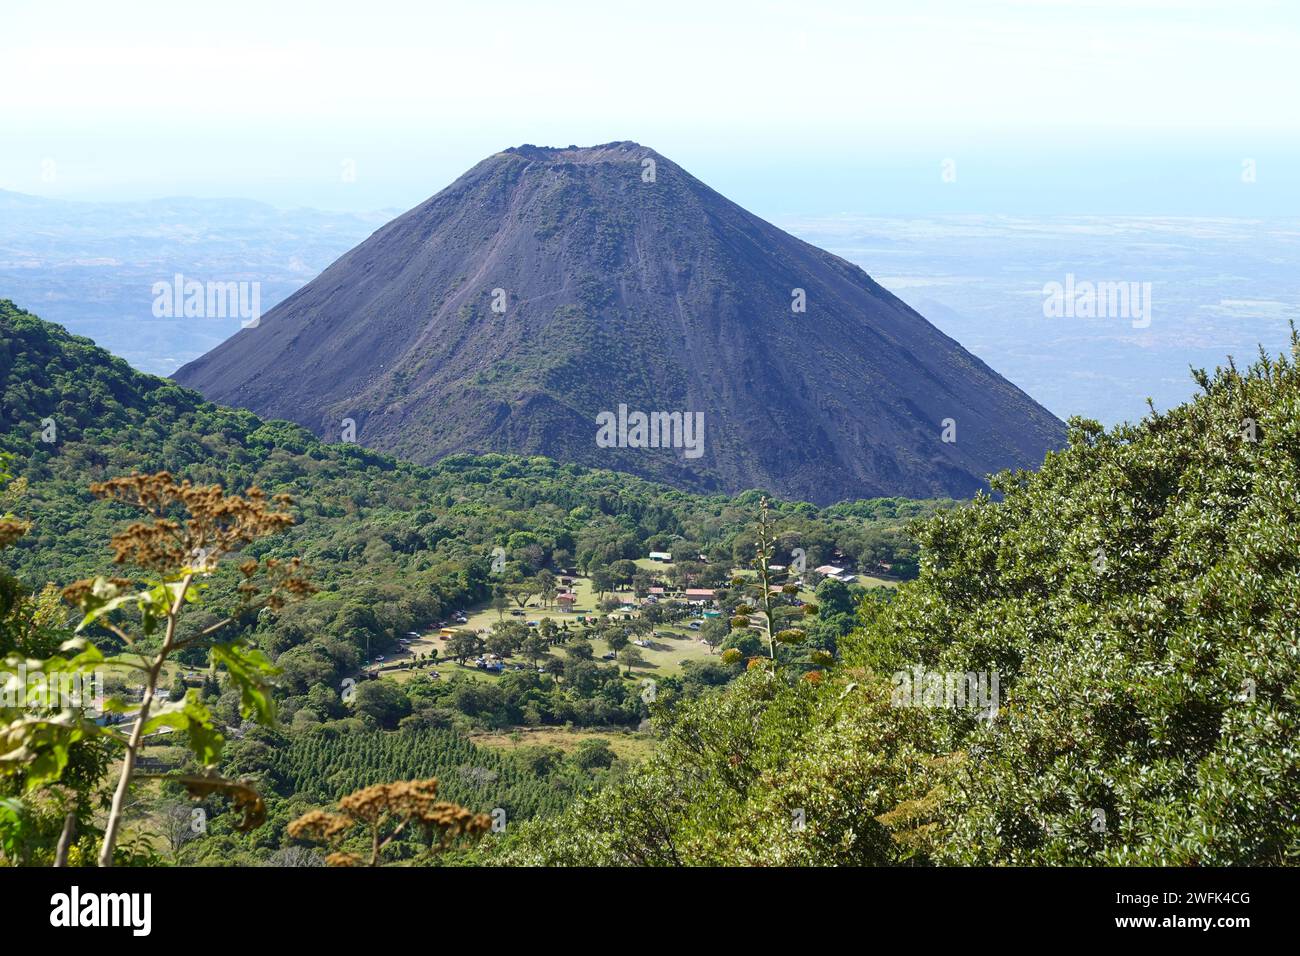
{"x":1097,"y":663}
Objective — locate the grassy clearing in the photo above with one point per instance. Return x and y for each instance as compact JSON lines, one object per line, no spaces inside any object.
{"x":674,"y":645}
{"x":627,"y":745}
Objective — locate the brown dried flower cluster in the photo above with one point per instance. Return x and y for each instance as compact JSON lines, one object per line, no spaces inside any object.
{"x":192,"y":527}
{"x":79,"y":592}
{"x":10,"y":531}
{"x":408,"y":802}
{"x":284,"y":577}
{"x":320,"y":826}
{"x":217,"y":523}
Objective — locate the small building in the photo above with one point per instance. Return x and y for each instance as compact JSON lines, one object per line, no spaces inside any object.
{"x":663,"y":556}
{"x":566,"y":599}
{"x":839,"y":574}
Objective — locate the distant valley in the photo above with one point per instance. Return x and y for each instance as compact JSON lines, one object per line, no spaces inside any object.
{"x":1223,"y":285}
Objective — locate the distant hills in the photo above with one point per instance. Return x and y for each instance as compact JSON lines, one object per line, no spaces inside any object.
{"x":90,"y":266}
{"x":545,"y":288}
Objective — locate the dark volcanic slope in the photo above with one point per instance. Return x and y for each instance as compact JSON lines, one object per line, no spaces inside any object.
{"x":658,"y":295}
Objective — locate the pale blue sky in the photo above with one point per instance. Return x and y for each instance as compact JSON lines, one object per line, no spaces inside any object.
{"x":1106,"y":106}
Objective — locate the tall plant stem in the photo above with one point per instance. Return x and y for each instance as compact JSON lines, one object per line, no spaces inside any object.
{"x":115,"y":812}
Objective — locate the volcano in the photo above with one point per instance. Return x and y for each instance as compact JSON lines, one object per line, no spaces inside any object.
{"x":602,"y":306}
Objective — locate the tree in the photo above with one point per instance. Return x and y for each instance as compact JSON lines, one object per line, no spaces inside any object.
{"x":547,"y":630}
{"x":685,"y":573}
{"x":462,"y":645}
{"x":187,"y":530}
{"x":616,"y":638}
{"x":177,"y":689}
{"x":834,"y":597}
{"x":501,"y":642}
{"x":533,"y":555}
{"x":622,"y":572}
{"x":713,"y":632}
{"x":684,"y":551}
{"x":594,"y":753}
{"x":602,"y":582}
{"x":534,"y":648}
{"x":176,"y":822}
{"x":523,"y":592}
{"x":296,"y":856}
{"x":630,"y":657}
{"x":546,"y":587}
{"x":654,"y":613}
{"x":580,"y":650}
{"x":383,"y":700}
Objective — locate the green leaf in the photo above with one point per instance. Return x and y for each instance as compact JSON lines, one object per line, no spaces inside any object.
{"x":249,"y":670}
{"x":12,"y":815}
{"x":191,"y":716}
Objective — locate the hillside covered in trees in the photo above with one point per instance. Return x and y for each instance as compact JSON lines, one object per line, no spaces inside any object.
{"x":1138,"y":599}
{"x":391,"y":548}
{"x":1098,"y":665}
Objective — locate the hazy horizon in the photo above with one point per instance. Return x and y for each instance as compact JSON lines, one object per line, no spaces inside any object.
{"x":1100,"y":107}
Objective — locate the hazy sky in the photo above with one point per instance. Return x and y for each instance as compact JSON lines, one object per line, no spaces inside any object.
{"x":807,"y":107}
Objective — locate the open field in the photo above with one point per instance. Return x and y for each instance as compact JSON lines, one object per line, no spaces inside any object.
{"x":628,"y":746}
{"x":665,"y":655}
{"x":674,"y":645}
